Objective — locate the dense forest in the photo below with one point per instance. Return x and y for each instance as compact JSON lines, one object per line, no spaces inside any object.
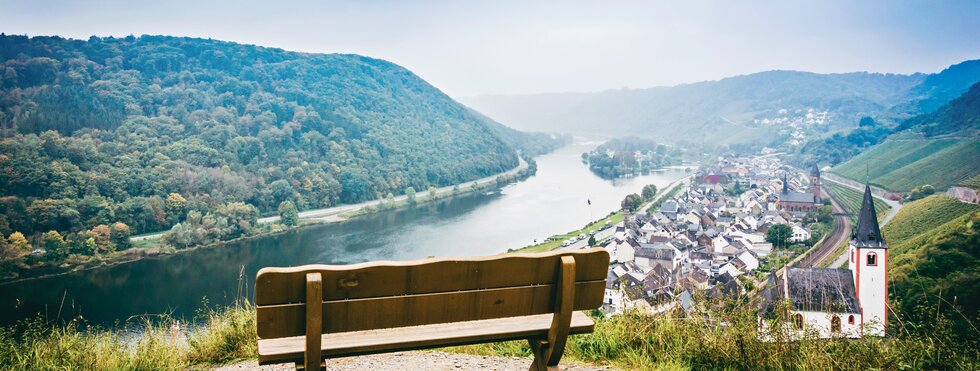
{"x":630,"y":156}
{"x":108,"y":137}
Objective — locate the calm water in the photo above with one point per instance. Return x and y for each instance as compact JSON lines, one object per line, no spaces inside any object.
{"x":553,"y":201}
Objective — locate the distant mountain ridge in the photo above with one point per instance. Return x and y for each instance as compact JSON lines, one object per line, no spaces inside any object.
{"x":724,"y":111}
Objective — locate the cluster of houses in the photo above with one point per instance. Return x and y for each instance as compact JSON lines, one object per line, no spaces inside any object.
{"x":708,"y":235}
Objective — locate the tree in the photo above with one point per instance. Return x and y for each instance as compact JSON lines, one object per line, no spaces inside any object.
{"x":410,"y":195}
{"x":102,"y":236}
{"x":649,"y":192}
{"x":866,"y":121}
{"x":592,"y":241}
{"x":288,"y":213}
{"x":779,"y":234}
{"x":120,"y":233}
{"x":175,"y":205}
{"x":17,"y":242}
{"x":632,"y":202}
{"x":54,"y":245}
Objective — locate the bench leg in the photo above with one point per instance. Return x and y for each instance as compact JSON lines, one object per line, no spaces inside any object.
{"x":540,"y":349}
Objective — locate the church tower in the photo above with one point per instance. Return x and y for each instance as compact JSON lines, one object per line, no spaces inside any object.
{"x":868,"y":262}
{"x":815,"y":183}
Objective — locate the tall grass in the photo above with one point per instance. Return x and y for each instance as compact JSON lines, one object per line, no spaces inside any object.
{"x":224,"y":335}
{"x":728,"y":340}
{"x":724,"y":338}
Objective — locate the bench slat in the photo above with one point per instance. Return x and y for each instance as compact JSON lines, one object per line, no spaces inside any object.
{"x":418,"y":337}
{"x":274,"y":321}
{"x":379,"y":279}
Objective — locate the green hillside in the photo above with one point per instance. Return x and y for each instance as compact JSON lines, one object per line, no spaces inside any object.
{"x":934,"y":254}
{"x":851,"y":199}
{"x":900,"y":166}
{"x":154,"y":132}
{"x":917,"y":219}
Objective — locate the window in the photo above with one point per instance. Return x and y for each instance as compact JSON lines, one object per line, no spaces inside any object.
{"x":850,"y":319}
{"x":852,"y":256}
{"x":799,"y":321}
{"x":872,"y":259}
{"x":835,"y":324}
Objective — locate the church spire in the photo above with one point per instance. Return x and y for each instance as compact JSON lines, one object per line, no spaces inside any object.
{"x":868,"y":234}
{"x":815,"y":171}
{"x":785,"y":185}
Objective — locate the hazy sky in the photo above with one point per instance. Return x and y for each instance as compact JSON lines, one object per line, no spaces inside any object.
{"x":511,"y":47}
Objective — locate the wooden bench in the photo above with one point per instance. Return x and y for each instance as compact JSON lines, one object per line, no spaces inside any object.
{"x":380,"y":307}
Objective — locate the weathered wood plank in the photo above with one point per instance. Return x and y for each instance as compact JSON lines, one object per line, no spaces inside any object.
{"x":379,"y":279}
{"x":414,"y":310}
{"x":290,"y":349}
{"x":314,"y":321}
{"x":565,"y":300}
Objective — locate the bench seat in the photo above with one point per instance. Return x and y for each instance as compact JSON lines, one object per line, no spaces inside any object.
{"x":354,"y":343}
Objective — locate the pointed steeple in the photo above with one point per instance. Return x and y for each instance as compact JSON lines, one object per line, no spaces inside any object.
{"x":867,"y":233}
{"x":815,"y":171}
{"x":785,"y":185}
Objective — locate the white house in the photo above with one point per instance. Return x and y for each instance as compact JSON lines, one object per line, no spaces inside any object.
{"x":800,"y":234}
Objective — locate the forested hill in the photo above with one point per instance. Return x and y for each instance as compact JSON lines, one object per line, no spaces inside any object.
{"x":961,"y":117}
{"x":103,"y":130}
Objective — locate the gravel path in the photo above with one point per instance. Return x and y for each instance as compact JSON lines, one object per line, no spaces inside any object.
{"x":418,"y":361}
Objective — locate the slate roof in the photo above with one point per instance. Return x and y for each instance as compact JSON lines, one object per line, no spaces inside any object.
{"x":867,"y":233}
{"x":815,"y":171}
{"x":796,"y":197}
{"x":822,"y":290}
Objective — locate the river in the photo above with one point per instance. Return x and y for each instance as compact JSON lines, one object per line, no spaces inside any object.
{"x":551,"y":202}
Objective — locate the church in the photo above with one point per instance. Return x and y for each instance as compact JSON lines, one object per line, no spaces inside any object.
{"x":798,"y":203}
{"x":836,"y":302}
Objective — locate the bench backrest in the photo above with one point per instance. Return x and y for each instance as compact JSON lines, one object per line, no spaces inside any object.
{"x":377,"y":295}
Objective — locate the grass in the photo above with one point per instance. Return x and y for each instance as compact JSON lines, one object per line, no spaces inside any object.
{"x":899,"y":166}
{"x":655,"y":206}
{"x":555,"y":241}
{"x":225,"y":335}
{"x":851,"y":200}
{"x":973,"y":182}
{"x":919,"y":220}
{"x":636,"y":341}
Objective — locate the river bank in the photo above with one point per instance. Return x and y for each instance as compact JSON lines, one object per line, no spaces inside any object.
{"x":149,"y":246}
{"x":481,"y":222}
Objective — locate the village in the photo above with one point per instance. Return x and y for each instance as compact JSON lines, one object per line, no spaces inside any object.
{"x":713,"y":237}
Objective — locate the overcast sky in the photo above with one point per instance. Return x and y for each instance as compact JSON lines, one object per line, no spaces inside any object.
{"x":515,"y":47}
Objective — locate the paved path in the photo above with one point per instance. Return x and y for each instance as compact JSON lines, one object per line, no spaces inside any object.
{"x":335,"y":213}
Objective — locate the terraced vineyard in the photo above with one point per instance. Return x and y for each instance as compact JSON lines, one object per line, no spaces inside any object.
{"x":851,"y":199}
{"x":899,"y":166}
{"x":920,"y":219}
{"x":973,"y":182}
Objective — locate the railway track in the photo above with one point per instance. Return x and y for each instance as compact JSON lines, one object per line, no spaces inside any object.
{"x":842,"y":230}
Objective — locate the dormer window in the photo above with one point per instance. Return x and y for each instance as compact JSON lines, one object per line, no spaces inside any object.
{"x":872,"y":259}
